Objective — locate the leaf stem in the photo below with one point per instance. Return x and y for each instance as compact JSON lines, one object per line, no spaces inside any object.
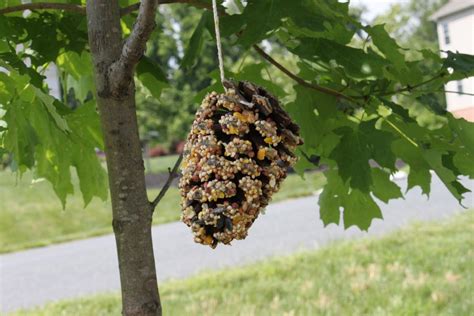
{"x":411,"y":141}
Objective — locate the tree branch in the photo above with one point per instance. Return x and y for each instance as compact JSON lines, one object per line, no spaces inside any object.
{"x":300,"y":80}
{"x":445,"y":91}
{"x":82,"y":10}
{"x":134,"y":47}
{"x":457,"y":92}
{"x":133,"y":7}
{"x":45,"y":6}
{"x":172,"y":175}
{"x":410,"y":88}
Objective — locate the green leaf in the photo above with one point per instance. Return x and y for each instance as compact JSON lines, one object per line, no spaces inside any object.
{"x":43,"y":33}
{"x":432,"y":102}
{"x":16,"y":63}
{"x":419,"y":169}
{"x":386,"y":44}
{"x":48,"y":101}
{"x":434,"y":159}
{"x":46,"y":135}
{"x":77,"y":65}
{"x":253,"y":72}
{"x":20,"y":138}
{"x":93,"y":178}
{"x":356,"y":62}
{"x":331,"y":197}
{"x":464,"y":131}
{"x":86,"y":137}
{"x":151,"y":76}
{"x":461,"y":65}
{"x":463,"y":161}
{"x":215,"y":85}
{"x":383,"y":188}
{"x":320,"y":20}
{"x":7,"y":88}
{"x":9,"y":3}
{"x":261,"y":18}
{"x":52,"y":160}
{"x":360,"y":209}
{"x":378,"y":143}
{"x":317,"y":116}
{"x":303,"y":164}
{"x":196,"y":42}
{"x":83,"y":87}
{"x":85,"y":124}
{"x":352,"y":159}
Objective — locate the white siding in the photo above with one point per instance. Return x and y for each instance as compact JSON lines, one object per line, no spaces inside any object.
{"x":461,"y":39}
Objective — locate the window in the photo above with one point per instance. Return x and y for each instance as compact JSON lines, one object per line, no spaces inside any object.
{"x":447,"y":40}
{"x":459,"y":85}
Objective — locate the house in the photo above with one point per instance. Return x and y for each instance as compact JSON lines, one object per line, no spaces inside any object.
{"x":455,"y":27}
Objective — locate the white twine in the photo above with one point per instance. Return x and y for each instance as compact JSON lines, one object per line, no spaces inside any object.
{"x":218,"y":41}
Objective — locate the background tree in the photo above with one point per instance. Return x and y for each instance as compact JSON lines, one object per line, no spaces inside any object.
{"x":410,"y":24}
{"x":353,"y":104}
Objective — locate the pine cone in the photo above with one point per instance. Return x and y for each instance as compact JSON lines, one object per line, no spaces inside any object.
{"x":236,"y":156}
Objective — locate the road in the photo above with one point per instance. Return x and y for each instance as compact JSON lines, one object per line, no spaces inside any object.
{"x":85,"y":267}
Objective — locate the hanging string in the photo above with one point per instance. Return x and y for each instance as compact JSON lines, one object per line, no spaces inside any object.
{"x":218,"y":41}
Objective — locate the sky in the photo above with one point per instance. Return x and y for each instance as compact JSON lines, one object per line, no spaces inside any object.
{"x":375,"y":7}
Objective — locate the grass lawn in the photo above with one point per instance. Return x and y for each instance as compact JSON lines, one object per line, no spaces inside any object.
{"x":425,"y":269}
{"x":31,"y":215}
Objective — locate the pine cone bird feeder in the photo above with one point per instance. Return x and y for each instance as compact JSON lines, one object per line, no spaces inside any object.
{"x":236,"y":156}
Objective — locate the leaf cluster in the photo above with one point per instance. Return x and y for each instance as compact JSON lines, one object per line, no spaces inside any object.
{"x":366,"y":107}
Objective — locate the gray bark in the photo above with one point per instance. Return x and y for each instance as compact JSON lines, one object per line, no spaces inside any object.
{"x":114,"y":65}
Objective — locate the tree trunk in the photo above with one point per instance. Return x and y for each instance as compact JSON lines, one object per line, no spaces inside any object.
{"x":132,"y":213}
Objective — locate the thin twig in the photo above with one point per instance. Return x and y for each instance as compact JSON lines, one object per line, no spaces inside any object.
{"x":82,"y":9}
{"x":45,"y":6}
{"x":172,"y":175}
{"x":409,"y":88}
{"x":441,"y":91}
{"x":455,"y":92}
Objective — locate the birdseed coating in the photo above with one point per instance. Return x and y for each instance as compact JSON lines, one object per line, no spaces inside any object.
{"x":236,"y":156}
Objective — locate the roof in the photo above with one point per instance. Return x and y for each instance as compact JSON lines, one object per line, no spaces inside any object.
{"x":453,"y":6}
{"x":466,"y":113}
